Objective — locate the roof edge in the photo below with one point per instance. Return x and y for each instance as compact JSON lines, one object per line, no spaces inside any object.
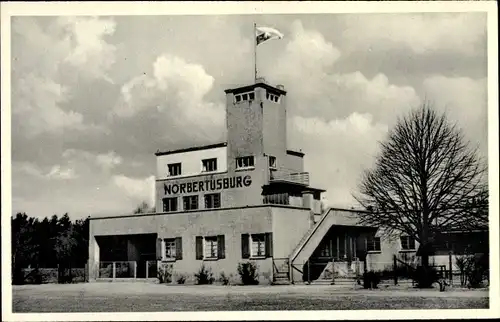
{"x":195,"y":148}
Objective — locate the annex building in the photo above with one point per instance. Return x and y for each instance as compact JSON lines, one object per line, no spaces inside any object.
{"x":246,"y":199}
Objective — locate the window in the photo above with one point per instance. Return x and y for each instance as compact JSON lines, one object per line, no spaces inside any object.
{"x":272,"y":162}
{"x":244,"y":162}
{"x":209,"y":165}
{"x":258,"y":245}
{"x":373,"y":244}
{"x":174,"y":169}
{"x":407,"y":243}
{"x":170,"y":247}
{"x":190,"y":202}
{"x":272,"y":97}
{"x":212,"y":200}
{"x":325,"y":250}
{"x":210,"y":247}
{"x":277,"y":199}
{"x":249,"y":96}
{"x":169,"y":204}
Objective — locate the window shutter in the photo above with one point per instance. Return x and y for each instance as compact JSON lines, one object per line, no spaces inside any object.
{"x":221,"y":247}
{"x":158,"y":249}
{"x":178,"y":248}
{"x":269,"y":244}
{"x":245,"y":247}
{"x":199,"y":247}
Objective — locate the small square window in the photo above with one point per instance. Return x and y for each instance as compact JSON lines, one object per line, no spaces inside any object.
{"x":190,"y":202}
{"x":212,"y":200}
{"x":373,"y":244}
{"x":174,"y":169}
{"x":245,"y":162}
{"x":407,"y":243}
{"x":209,"y":165}
{"x":169,"y":204}
{"x":237,"y":98}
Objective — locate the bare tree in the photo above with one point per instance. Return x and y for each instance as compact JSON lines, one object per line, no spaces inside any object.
{"x":427,"y":180}
{"x":143,"y":208}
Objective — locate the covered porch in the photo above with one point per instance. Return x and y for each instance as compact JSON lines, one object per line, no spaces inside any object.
{"x":125,"y":257}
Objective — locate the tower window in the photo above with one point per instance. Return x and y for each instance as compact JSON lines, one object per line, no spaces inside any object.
{"x":174,"y":169}
{"x":245,"y":162}
{"x":272,"y":97}
{"x":249,"y":96}
{"x":209,"y":165}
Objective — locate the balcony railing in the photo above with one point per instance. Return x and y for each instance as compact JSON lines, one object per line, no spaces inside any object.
{"x":286,"y":175}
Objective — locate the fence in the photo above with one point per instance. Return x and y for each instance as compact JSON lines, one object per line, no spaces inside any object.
{"x":55,"y":275}
{"x":124,"y":269}
{"x":329,"y":271}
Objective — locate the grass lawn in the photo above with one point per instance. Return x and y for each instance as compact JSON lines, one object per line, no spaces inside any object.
{"x":145,"y":297}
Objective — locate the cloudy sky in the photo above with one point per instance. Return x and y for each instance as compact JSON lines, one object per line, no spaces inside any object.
{"x":94,"y":97}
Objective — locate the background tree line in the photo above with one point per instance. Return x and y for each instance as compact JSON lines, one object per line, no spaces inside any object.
{"x":55,"y":242}
{"x":47,"y":243}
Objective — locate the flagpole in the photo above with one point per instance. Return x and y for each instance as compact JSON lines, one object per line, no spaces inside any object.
{"x":255,"y":51}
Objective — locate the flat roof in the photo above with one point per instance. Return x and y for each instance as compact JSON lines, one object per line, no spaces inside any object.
{"x":295,"y":153}
{"x":195,"y":148}
{"x":146,"y":214}
{"x":246,"y":88}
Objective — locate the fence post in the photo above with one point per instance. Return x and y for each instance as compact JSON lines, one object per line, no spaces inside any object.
{"x":114,"y":270}
{"x":147,"y":269}
{"x":451,"y":268}
{"x":333,"y":271}
{"x":135,"y":269}
{"x":394,"y":269}
{"x":309,"y":271}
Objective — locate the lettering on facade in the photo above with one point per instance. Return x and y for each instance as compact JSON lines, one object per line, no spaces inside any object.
{"x":208,"y":185}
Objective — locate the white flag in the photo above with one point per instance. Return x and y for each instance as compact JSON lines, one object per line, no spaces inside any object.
{"x":266,"y":33}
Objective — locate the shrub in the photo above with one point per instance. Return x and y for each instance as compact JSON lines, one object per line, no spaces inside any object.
{"x":268,"y":277}
{"x":165,"y":273}
{"x":181,"y":279}
{"x":477,"y":270}
{"x":204,"y":276}
{"x":425,"y":276}
{"x":371,"y":280}
{"x":248,"y":273}
{"x":225,"y":279}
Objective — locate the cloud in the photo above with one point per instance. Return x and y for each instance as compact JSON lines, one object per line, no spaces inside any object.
{"x":138,"y":189}
{"x":465,"y":101}
{"x":50,"y":58}
{"x":57,"y":173}
{"x":90,"y":53}
{"x":423,"y":33}
{"x":176,"y":88}
{"x":341,"y":148}
{"x":317,"y":90}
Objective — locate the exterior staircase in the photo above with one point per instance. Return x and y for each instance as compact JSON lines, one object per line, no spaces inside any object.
{"x":311,"y":240}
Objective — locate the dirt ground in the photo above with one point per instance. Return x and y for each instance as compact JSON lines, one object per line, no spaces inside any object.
{"x":147,"y":297}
